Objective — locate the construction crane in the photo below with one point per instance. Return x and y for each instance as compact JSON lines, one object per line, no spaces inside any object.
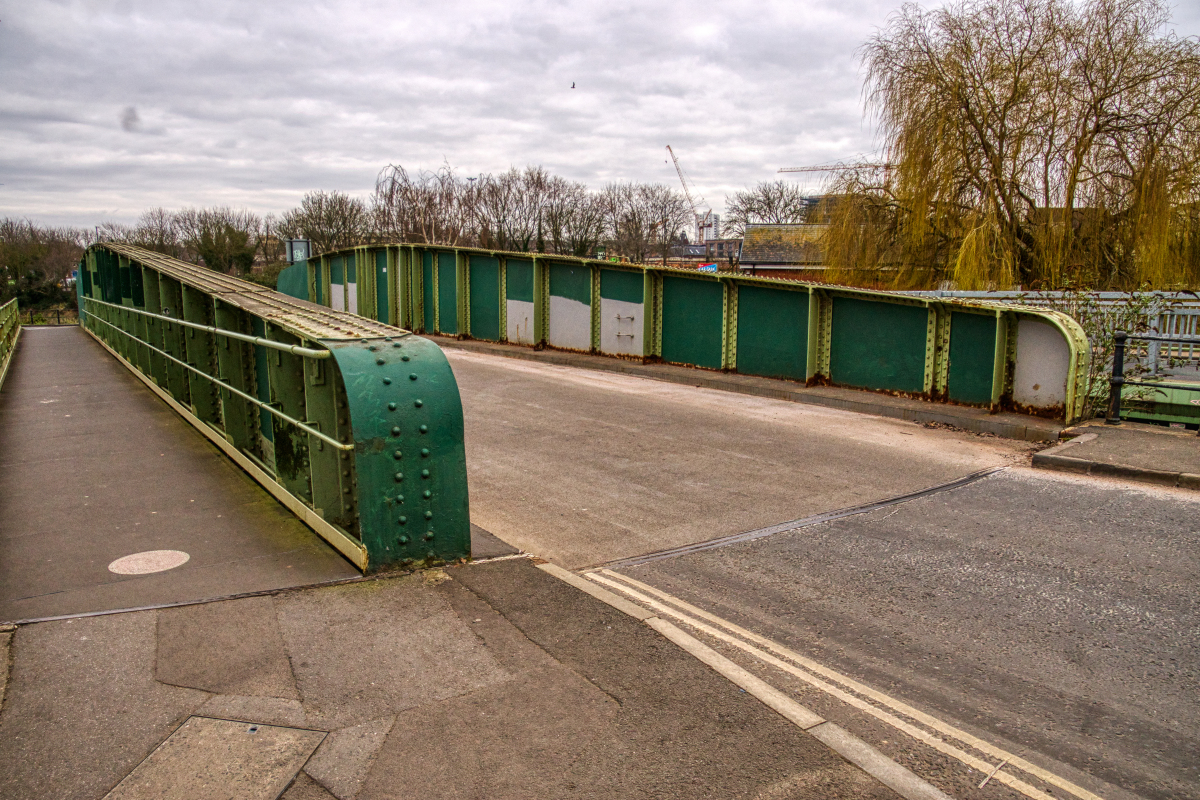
{"x":703,"y":222}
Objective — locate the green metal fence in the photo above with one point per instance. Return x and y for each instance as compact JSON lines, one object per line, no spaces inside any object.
{"x":969,"y":352}
{"x":10,"y":329}
{"x":353,"y":424}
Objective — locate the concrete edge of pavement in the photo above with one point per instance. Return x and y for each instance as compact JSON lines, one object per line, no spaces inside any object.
{"x":860,"y":401}
{"x":1054,"y":459}
{"x":899,"y":779}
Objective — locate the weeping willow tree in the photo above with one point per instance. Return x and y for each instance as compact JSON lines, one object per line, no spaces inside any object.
{"x":1041,"y":143}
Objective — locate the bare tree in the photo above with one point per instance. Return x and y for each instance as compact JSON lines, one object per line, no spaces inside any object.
{"x":222,"y":238}
{"x":769,"y":202}
{"x":573,"y":218}
{"x":1035,"y":142}
{"x":330,"y":220}
{"x":433,"y":207}
{"x":669,"y":213}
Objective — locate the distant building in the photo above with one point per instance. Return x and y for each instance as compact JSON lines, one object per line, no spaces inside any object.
{"x":722,"y":249}
{"x":708,"y":230}
{"x":783,"y":247}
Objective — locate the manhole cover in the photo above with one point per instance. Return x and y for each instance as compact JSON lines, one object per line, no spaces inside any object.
{"x":149,"y":561}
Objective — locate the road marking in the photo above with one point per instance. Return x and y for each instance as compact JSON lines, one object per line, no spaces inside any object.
{"x":807,"y":670}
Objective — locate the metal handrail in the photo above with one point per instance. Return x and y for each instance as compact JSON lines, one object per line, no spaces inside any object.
{"x":1117,"y":381}
{"x":249,"y":398}
{"x":295,"y":349}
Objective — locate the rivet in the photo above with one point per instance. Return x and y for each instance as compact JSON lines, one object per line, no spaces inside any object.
{"x":346,"y":490}
{"x":387,"y":338}
{"x":424,"y":473}
{"x":346,"y":473}
{"x":412,"y":376}
{"x":428,"y":515}
{"x":379,"y":361}
{"x":347,"y":506}
{"x":404,"y":358}
{"x":391,"y":406}
{"x":397,"y":344}
{"x":345,"y":456}
{"x":372,"y":348}
{"x":428,"y":535}
{"x":428,"y":494}
{"x":403,"y":520}
{"x":407,"y":561}
{"x":403,"y":540}
{"x":395,"y":431}
{"x":418,"y":403}
{"x":387,"y":381}
{"x":424,"y":452}
{"x":399,"y":477}
{"x":424,"y":429}
{"x":397,"y":455}
{"x":399,"y":498}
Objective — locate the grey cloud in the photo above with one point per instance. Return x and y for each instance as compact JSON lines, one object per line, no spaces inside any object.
{"x":326,"y":94}
{"x":130,"y":121}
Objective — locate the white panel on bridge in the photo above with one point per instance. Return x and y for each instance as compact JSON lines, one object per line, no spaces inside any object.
{"x":352,"y":297}
{"x":621,"y":327}
{"x":337,"y":297}
{"x":570,"y":324}
{"x":520,"y":321}
{"x":1043,"y":360}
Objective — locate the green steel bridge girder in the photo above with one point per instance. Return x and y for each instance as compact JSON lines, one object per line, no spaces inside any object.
{"x":407,"y":422}
{"x":354,"y":425}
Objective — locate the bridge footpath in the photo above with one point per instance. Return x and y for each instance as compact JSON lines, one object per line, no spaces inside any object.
{"x":226,"y":676}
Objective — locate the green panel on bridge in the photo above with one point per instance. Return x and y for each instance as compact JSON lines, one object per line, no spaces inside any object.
{"x":519,"y":275}
{"x":447,"y":279}
{"x":335,"y":271}
{"x":572,"y":282}
{"x":485,"y":297}
{"x":972,"y":357}
{"x":772,"y":332}
{"x":427,"y":305}
{"x":619,"y":284}
{"x":293,"y":281}
{"x":878,"y":345}
{"x":351,"y":269}
{"x":692,"y":315}
{"x":407,"y":420}
{"x":382,"y":310}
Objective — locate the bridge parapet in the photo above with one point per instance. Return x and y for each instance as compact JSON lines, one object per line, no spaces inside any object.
{"x":354,"y":424}
{"x":971,"y":352}
{"x":10,"y":329}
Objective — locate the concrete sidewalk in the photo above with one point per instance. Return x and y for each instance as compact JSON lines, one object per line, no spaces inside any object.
{"x":977,"y":420}
{"x":1132,"y":451}
{"x":490,"y":680}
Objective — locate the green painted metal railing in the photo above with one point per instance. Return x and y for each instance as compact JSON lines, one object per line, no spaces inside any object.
{"x":353,"y":424}
{"x":1001,"y":357}
{"x":10,"y":329}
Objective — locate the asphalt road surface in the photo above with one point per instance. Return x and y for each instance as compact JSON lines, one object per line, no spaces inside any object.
{"x":1040,"y":623}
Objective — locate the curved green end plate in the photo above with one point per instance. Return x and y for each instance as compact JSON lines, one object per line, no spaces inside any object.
{"x":410,"y":462}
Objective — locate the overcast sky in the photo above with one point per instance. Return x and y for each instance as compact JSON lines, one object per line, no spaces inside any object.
{"x":108,"y":107}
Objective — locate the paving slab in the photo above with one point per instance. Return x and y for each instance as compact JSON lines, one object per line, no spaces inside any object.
{"x":1132,"y":451}
{"x":94,"y":467}
{"x":83,"y":708}
{"x":343,"y":760}
{"x":228,"y":648}
{"x":218,"y":758}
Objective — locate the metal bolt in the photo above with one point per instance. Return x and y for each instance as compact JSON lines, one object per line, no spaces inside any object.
{"x":428,"y":515}
{"x":397,"y":455}
{"x":424,"y":473}
{"x":418,"y":403}
{"x":403,"y":540}
{"x":372,"y":348}
{"x":346,"y":472}
{"x":399,"y":477}
{"x":412,"y":376}
{"x":428,"y":494}
{"x":403,"y":520}
{"x":429,"y":537}
{"x":387,"y":338}
{"x":391,"y":406}
{"x":397,"y":344}
{"x":379,"y":361}
{"x":387,"y":381}
{"x":424,"y":452}
{"x":424,"y":429}
{"x":404,"y":358}
{"x":346,"y":490}
{"x":395,"y":431}
{"x":399,"y":498}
